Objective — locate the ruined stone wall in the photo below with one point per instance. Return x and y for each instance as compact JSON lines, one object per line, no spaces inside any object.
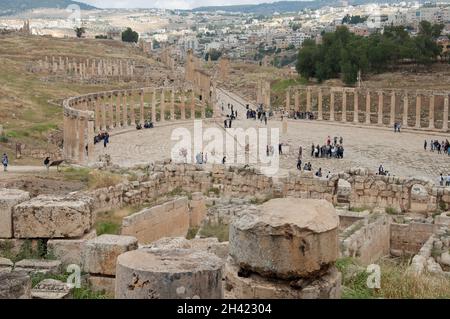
{"x":367,"y":240}
{"x":367,"y":190}
{"x":409,"y":238}
{"x":170,"y":219}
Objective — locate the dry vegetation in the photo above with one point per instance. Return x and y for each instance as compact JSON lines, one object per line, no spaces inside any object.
{"x":396,"y":282}
{"x":26,"y":111}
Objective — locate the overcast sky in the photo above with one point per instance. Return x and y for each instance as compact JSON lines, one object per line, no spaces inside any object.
{"x":169,"y":4}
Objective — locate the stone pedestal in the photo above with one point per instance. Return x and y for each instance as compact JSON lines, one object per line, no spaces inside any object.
{"x":8,"y":199}
{"x":49,"y":216}
{"x":254,"y":286}
{"x":168,"y":274}
{"x":99,"y":255}
{"x":286,"y":238}
{"x":285,"y":248}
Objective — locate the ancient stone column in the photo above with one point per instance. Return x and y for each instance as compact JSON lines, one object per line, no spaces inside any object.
{"x":125,"y":109}
{"x":380,"y":107}
{"x":192,"y":104}
{"x":392,"y":115}
{"x":203,"y":105}
{"x":431,"y":116}
{"x":103,"y":108}
{"x":183,"y":105}
{"x":168,"y":274}
{"x":288,"y":100}
{"x":356,"y":106}
{"x":445,"y":115}
{"x":97,"y":116}
{"x":81,"y":139}
{"x":154,"y":106}
{"x":111,"y":111}
{"x":118,"y":113}
{"x":368,"y":107}
{"x":162,"y":105}
{"x":172,"y":104}
{"x":132,"y":109}
{"x":320,"y":105}
{"x":418,"y":109}
{"x":65,"y":136}
{"x":308,"y":99}
{"x":90,"y":140}
{"x":142,"y":119}
{"x":344,"y":106}
{"x":405,"y":109}
{"x":332,"y":106}
{"x":272,"y":261}
{"x":297,"y":101}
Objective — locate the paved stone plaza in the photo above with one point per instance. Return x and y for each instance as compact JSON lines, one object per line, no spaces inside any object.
{"x":401,"y":154}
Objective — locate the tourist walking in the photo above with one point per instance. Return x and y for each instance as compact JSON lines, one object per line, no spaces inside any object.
{"x":47,"y":163}
{"x":5,"y":162}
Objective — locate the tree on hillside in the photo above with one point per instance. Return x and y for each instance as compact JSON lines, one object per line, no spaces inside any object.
{"x":342,"y":53}
{"x":430,"y":30}
{"x":130,"y":36}
{"x":80,"y":31}
{"x":215,"y":55}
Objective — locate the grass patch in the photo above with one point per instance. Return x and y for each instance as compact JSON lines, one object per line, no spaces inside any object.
{"x":109,"y":222}
{"x":358,"y":209}
{"x":93,"y":178}
{"x":214,"y":190}
{"x":106,"y":227}
{"x":179,"y":191}
{"x":192,"y":232}
{"x":282,"y":84}
{"x":391,"y":211}
{"x":396,"y":282}
{"x":4,"y":139}
{"x":78,"y":293}
{"x":218,"y":230}
{"x":28,"y":250}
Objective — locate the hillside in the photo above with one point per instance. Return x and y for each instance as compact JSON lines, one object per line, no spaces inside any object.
{"x":8,"y":7}
{"x":283,"y":6}
{"x":26,"y":114}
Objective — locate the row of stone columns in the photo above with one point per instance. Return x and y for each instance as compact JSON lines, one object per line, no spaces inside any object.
{"x":367,"y":112}
{"x":86,"y":116}
{"x":88,"y":67}
{"x":119,"y":109}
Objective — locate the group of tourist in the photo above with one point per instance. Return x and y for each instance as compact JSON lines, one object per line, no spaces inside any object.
{"x":258,"y":114}
{"x":201,"y":158}
{"x":442,"y":147}
{"x":147,"y":124}
{"x":397,"y":127}
{"x":304,"y":116}
{"x":444,"y":180}
{"x":329,"y":150}
{"x":102,"y":136}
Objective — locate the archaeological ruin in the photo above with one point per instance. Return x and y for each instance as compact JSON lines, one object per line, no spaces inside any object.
{"x":218,"y":230}
{"x":418,"y":109}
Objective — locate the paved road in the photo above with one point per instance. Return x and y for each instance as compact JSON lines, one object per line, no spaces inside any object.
{"x":400,"y":153}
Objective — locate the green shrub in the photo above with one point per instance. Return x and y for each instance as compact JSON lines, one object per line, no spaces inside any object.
{"x":107,"y":227}
{"x":391,"y":211}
